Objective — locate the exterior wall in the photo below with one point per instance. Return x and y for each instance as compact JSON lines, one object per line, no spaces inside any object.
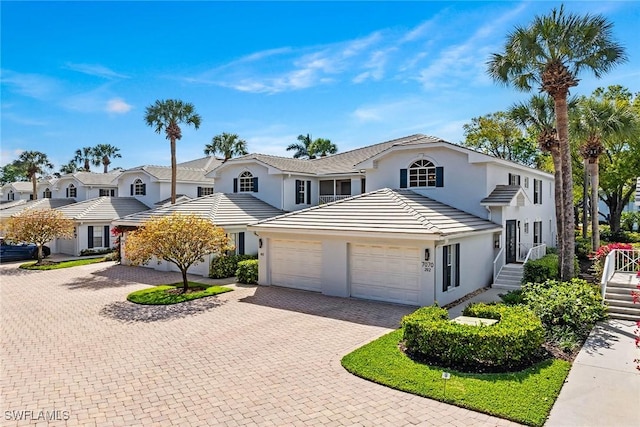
{"x":152,"y":187}
{"x":464,"y":184}
{"x":270,"y":187}
{"x":476,"y":267}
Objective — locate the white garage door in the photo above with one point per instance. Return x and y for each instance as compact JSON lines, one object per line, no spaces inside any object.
{"x":296,"y":264}
{"x":385,"y":273}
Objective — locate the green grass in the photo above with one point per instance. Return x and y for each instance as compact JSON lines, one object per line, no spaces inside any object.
{"x":158,"y":295}
{"x":525,"y":397}
{"x":63,"y":264}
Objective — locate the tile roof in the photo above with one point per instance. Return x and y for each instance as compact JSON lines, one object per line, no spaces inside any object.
{"x":93,"y":178}
{"x":382,"y":211}
{"x":220,"y":208}
{"x":502,"y":195}
{"x":22,"y":186}
{"x":163,"y":173}
{"x":167,"y":201}
{"x":6,"y":204}
{"x":207,"y":163}
{"x":103,"y":208}
{"x":35,"y":204}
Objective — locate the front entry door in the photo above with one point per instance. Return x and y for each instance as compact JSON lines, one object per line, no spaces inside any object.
{"x":511,"y":242}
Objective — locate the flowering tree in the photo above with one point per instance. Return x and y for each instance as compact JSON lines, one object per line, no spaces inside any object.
{"x":39,"y":227}
{"x":180,"y":239}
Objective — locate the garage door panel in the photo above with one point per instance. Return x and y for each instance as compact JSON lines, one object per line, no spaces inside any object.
{"x":296,"y":264}
{"x":386,"y":273}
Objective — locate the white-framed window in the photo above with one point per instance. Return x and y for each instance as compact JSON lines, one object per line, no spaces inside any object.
{"x":107,"y":192}
{"x":301,"y":191}
{"x":422,"y":173}
{"x":139,"y":189}
{"x":526,"y":182}
{"x":526,"y":227}
{"x":537,"y":233}
{"x":451,"y":266}
{"x":537,"y":191}
{"x":205,"y":191}
{"x":514,"y":179}
{"x":46,"y":194}
{"x":72,"y":191}
{"x":97,"y":237}
{"x":245,"y":182}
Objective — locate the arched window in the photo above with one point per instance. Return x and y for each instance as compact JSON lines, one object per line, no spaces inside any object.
{"x":422,"y":173}
{"x":11,"y":195}
{"x":139,"y":189}
{"x":246,"y":182}
{"x":72,"y":191}
{"x":46,"y":194}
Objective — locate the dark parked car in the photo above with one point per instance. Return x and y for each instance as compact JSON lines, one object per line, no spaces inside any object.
{"x":17,"y":251}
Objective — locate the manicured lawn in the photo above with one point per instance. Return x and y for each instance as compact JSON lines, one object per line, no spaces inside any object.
{"x":158,"y":295}
{"x":63,"y":264}
{"x":525,"y":397}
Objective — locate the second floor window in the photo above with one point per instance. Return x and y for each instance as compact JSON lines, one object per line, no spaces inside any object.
{"x":108,"y":192}
{"x":138,"y":188}
{"x":422,"y":174}
{"x":537,"y":191}
{"x":72,"y":191}
{"x":245,"y":182}
{"x":11,"y":195}
{"x":46,"y":194}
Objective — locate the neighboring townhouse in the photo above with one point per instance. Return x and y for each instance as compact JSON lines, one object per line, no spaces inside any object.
{"x":232,"y":212}
{"x":82,"y":186}
{"x":509,"y":206}
{"x":152,"y":184}
{"x":16,"y":191}
{"x":93,"y":223}
{"x":39,"y":204}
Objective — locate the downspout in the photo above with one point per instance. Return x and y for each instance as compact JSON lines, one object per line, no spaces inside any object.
{"x":438,"y":245}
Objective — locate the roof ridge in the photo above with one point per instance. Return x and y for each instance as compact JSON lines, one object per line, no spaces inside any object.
{"x":395,"y":194}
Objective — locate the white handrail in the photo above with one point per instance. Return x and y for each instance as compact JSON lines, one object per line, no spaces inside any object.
{"x":608,"y":270}
{"x":498,"y":263}
{"x":535,"y":253}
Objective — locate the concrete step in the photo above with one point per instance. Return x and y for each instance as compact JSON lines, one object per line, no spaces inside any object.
{"x":618,"y":294}
{"x":624,"y":313}
{"x":617,"y":302}
{"x":506,"y":286}
{"x":622,"y":285}
{"x":620,"y":316}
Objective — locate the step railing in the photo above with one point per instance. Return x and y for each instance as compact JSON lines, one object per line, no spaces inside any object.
{"x":619,"y":261}
{"x":535,"y":253}
{"x":498,"y":263}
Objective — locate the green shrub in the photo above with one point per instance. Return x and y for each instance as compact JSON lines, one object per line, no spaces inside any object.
{"x":514,"y":297}
{"x":87,"y":252}
{"x":510,"y":344}
{"x":551,"y":251}
{"x":583,"y":247}
{"x":247,"y":271}
{"x":541,"y":270}
{"x":226,"y":265}
{"x":566,"y":309}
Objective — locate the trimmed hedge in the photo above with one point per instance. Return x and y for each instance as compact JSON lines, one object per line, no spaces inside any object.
{"x":543,"y":269}
{"x":510,"y":344}
{"x":226,"y":265}
{"x":247,"y":271}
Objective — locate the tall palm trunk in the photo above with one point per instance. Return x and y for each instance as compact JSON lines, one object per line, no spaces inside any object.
{"x":568,"y":251}
{"x":174,"y":172}
{"x":595,"y":184}
{"x":105,"y":163}
{"x":34,"y":186}
{"x":585,"y":198}
{"x":557,"y":175}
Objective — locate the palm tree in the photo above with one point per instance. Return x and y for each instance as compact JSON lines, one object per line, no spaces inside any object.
{"x":168,"y":115}
{"x":227,"y":144}
{"x":34,"y":162}
{"x":321,"y":147}
{"x":597,"y":120}
{"x":550,"y":53}
{"x":85,"y":156}
{"x":538,"y":116}
{"x":69,"y":168}
{"x":302,"y":147}
{"x":106,"y":152}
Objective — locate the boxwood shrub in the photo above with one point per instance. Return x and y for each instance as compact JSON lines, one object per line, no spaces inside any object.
{"x":510,"y":344}
{"x":247,"y":271}
{"x":226,"y":265}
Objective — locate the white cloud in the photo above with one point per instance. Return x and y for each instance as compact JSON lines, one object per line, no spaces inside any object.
{"x":8,"y":156}
{"x":117,"y":106}
{"x":96,"y":70}
{"x":31,"y":85}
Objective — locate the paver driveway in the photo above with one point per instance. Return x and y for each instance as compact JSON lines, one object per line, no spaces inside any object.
{"x":255,"y":356}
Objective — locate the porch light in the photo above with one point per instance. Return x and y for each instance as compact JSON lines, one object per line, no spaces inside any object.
{"x":427,"y":254}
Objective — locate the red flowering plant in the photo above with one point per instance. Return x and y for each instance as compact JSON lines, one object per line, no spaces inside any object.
{"x":599,"y":256}
{"x":117,"y":232}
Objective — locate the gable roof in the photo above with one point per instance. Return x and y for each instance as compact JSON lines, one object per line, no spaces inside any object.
{"x":386,"y":211}
{"x":503,"y":195}
{"x":37,"y":204}
{"x":163,"y":173}
{"x":207,"y":163}
{"x":222,"y":209}
{"x":21,"y":186}
{"x":103,"y":208}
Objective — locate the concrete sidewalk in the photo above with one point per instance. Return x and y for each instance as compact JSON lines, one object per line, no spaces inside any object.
{"x":603,"y":386}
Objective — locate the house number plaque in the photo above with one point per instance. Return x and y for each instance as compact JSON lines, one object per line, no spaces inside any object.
{"x":427,"y":265}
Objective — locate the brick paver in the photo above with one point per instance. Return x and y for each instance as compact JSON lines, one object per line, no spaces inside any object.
{"x":256,"y":356}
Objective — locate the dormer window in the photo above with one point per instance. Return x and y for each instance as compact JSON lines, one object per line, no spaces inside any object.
{"x":422,"y":174}
{"x":245,"y":183}
{"x":46,"y":194}
{"x":72,"y":191}
{"x":11,"y":195}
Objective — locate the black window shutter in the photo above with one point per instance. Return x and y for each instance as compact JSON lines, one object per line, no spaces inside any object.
{"x":132,"y":189}
{"x":540,"y":191}
{"x":457,"y":265}
{"x":106,"y":236}
{"x":241,"y":243}
{"x":144,"y":189}
{"x":298,"y":194}
{"x":199,"y":191}
{"x":403,"y":178}
{"x":90,"y":236}
{"x":363,"y":185}
{"x":445,"y":268}
{"x":519,"y":182}
{"x":255,"y":184}
{"x":308,"y":192}
{"x":439,"y":176}
{"x":235,"y":185}
{"x":509,"y":182}
{"x":67,"y":192}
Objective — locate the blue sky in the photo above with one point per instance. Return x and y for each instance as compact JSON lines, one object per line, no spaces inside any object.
{"x":77,"y":74}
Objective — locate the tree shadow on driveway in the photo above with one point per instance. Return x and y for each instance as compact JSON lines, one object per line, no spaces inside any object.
{"x":129,"y":312}
{"x":347,"y":309}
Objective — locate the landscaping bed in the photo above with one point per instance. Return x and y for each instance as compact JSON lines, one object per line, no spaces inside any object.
{"x":173,"y":294}
{"x":54,"y":265}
